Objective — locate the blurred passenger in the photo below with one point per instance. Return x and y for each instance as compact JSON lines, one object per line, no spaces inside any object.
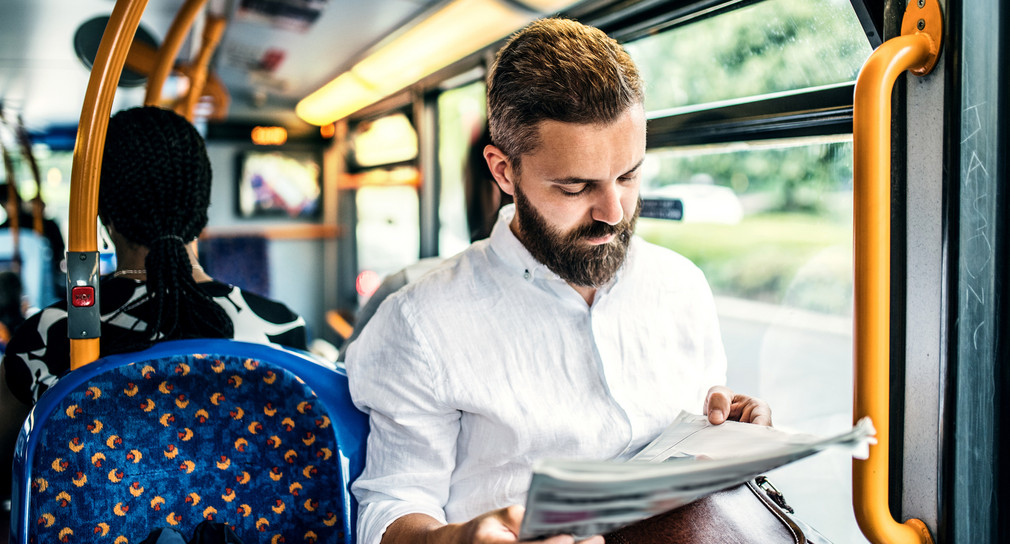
{"x":561,"y":335}
{"x":153,"y":199}
{"x":483,"y":196}
{"x":12,"y":306}
{"x":50,"y":231}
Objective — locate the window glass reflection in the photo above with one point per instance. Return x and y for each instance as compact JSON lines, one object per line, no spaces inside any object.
{"x":770,"y":224}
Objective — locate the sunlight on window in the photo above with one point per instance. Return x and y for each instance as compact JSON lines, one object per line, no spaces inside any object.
{"x":772,"y":46}
{"x":388,"y":232}
{"x":772,"y":231}
{"x":387,"y":140}
{"x":461,"y":120}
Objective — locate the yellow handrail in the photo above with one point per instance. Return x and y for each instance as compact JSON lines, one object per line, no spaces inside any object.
{"x":90,"y":145}
{"x":917,"y":50}
{"x":143,"y":59}
{"x":212,"y":33}
{"x":169,"y":49}
{"x":26,"y":151}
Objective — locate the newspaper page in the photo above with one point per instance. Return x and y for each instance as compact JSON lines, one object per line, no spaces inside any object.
{"x":690,"y":459}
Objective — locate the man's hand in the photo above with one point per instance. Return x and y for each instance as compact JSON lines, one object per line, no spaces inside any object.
{"x":496,"y":527}
{"x":722,"y":404}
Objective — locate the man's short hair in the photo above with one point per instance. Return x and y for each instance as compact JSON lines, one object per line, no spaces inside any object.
{"x":561,"y":70}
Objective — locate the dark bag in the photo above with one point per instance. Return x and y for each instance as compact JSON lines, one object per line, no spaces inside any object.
{"x":207,"y":532}
{"x":754,"y":512}
{"x":210,"y":532}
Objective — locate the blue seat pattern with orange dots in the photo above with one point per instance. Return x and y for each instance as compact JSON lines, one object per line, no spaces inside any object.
{"x":174,"y":441}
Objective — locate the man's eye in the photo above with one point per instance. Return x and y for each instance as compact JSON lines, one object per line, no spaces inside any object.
{"x":574,"y":190}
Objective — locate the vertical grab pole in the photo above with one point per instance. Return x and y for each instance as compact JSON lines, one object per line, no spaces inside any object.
{"x":87,"y":165}
{"x":917,"y":50}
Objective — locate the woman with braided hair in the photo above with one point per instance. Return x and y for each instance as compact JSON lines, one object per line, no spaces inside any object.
{"x":153,"y":199}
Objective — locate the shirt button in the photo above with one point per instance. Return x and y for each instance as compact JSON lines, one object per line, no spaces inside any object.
{"x":526,"y":275}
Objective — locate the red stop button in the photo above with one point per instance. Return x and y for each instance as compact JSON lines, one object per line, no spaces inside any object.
{"x":82,"y":296}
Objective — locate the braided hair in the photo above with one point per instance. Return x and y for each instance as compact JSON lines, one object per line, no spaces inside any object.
{"x":155,"y":190}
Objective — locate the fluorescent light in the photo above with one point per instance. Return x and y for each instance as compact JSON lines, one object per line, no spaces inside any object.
{"x":337,"y":99}
{"x":547,"y":6}
{"x":458,"y":29}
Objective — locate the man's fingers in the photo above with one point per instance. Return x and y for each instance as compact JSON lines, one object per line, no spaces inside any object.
{"x":721,"y":405}
{"x":751,"y":410}
{"x":760,"y":414}
{"x":717,"y":404}
{"x":741,"y":412}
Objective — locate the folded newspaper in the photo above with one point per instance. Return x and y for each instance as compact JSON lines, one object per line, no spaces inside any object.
{"x":690,"y":459}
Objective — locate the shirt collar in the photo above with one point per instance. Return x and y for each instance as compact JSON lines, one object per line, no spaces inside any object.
{"x":505,"y":244}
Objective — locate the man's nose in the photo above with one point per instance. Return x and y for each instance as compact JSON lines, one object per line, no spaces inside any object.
{"x":607,"y":208}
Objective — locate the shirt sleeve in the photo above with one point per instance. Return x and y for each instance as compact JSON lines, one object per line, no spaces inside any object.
{"x":411,"y":447}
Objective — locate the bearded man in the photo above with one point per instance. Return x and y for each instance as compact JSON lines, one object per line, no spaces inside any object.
{"x":562,"y":335}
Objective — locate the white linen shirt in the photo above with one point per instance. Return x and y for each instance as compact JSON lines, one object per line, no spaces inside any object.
{"x":491,"y":361}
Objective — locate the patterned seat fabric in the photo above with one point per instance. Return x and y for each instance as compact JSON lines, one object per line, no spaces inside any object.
{"x":176,"y":441}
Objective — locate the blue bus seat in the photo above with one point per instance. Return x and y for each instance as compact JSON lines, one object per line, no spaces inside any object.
{"x":243,"y":261}
{"x":262,"y":438}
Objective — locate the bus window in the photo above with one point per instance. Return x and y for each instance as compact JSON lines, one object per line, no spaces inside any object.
{"x":768,"y":47}
{"x":767,"y":210}
{"x":461,"y":118}
{"x":384,"y":181}
{"x":776,"y":246}
{"x":387,"y":140}
{"x":388,"y":231}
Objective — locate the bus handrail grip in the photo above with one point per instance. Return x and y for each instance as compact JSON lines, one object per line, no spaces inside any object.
{"x":169,"y":49}
{"x":90,"y":145}
{"x":212,"y":33}
{"x":916,"y":49}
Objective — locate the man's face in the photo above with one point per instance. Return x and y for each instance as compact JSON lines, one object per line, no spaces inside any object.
{"x":573,"y":255}
{"x":577,"y":199}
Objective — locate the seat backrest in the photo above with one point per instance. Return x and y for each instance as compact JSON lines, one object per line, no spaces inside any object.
{"x":262,"y":438}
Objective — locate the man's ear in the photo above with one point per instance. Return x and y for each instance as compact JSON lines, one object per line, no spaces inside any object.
{"x":501,"y":169}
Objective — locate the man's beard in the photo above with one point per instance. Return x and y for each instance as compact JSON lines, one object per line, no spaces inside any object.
{"x":568,"y":254}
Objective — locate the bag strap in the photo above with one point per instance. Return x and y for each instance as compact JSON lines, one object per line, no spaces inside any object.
{"x":774,"y":494}
{"x":766,"y":498}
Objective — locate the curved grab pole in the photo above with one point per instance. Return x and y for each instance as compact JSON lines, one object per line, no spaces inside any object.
{"x":13,"y":210}
{"x":169,"y":49}
{"x":90,"y":145}
{"x":198,"y":78}
{"x":916,"y":49}
{"x":25,"y":144}
{"x":26,"y":151}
